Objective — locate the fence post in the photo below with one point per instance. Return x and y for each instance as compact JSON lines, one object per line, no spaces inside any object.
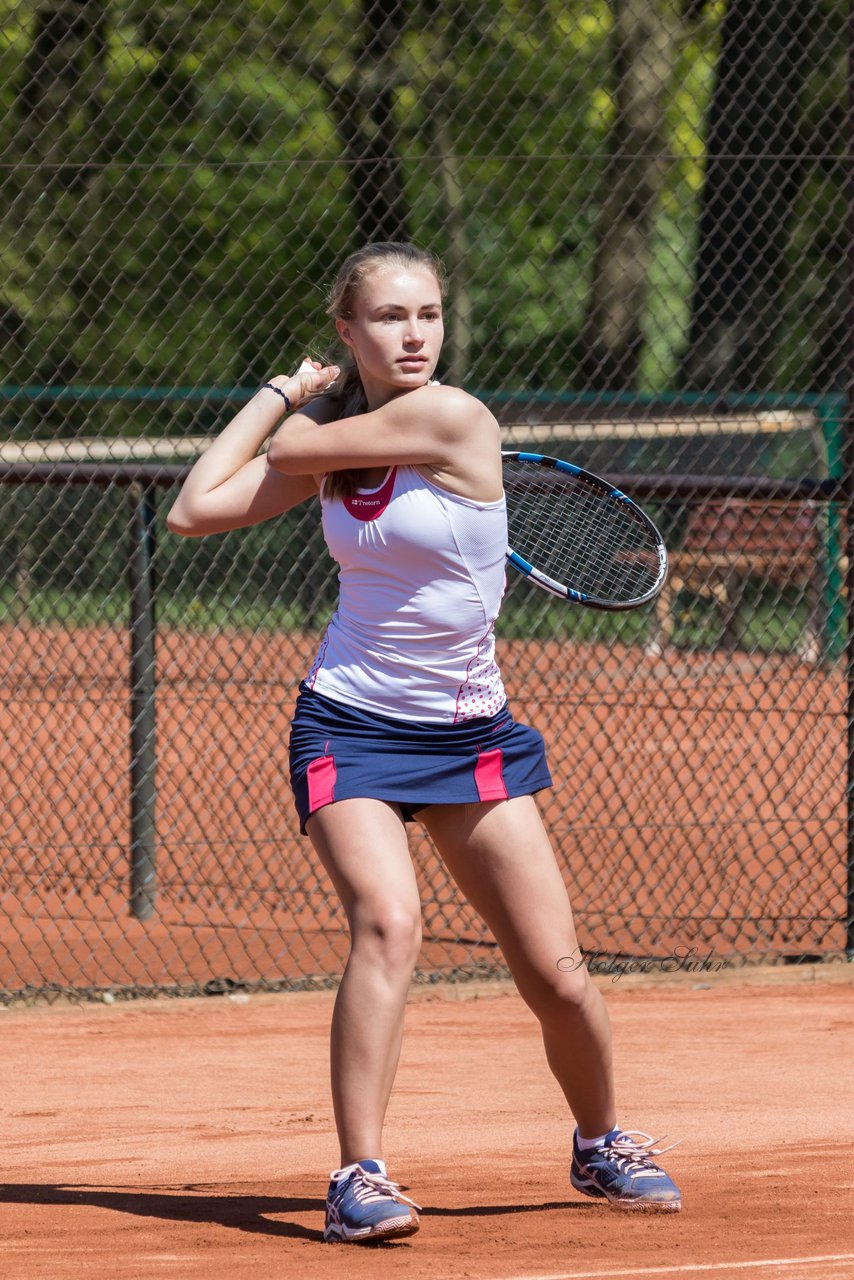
{"x":831,"y":414}
{"x":143,"y":680}
{"x":849,"y":501}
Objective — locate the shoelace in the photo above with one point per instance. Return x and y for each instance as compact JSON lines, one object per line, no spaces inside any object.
{"x":631,"y":1154}
{"x":369,"y":1187}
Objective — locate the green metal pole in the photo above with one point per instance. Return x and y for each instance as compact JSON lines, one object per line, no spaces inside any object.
{"x":830,"y":415}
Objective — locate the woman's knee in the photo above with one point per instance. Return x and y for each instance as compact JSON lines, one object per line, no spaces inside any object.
{"x":390,"y":931}
{"x":557,"y":993}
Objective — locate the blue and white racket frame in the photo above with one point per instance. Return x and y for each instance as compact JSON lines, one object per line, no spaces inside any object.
{"x":563,"y":590}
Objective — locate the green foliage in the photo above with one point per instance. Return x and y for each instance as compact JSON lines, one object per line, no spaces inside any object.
{"x":198,"y":245}
{"x":175,"y":218}
{"x":768,"y":620}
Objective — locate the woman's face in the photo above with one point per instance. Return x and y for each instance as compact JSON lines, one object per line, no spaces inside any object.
{"x":397,"y":330}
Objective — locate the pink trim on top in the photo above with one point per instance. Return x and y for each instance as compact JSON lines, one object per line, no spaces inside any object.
{"x":367,"y":506}
{"x":489,"y":775}
{"x":472,"y":660}
{"x":311,"y":678}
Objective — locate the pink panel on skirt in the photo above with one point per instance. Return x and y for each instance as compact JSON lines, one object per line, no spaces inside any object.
{"x":489,"y":776}
{"x":321,"y":776}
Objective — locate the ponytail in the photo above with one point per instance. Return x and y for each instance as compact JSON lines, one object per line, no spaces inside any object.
{"x":349,"y":397}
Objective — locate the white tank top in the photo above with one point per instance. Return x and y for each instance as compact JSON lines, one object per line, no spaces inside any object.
{"x":421,"y":580}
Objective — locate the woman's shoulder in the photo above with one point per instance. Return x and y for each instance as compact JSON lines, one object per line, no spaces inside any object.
{"x":445,"y":399}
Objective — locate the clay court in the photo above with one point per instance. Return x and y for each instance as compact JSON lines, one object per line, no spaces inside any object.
{"x":698,"y":803}
{"x":193,"y":1138}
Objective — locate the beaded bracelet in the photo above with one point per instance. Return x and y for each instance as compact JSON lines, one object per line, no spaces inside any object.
{"x":268,"y":386}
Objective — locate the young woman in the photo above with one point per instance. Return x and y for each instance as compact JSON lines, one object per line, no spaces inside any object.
{"x":403,"y":712}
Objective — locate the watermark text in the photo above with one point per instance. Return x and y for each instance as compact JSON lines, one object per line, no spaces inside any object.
{"x":680,"y":960}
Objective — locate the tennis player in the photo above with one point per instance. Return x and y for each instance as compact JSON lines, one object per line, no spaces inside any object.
{"x":403,"y":715}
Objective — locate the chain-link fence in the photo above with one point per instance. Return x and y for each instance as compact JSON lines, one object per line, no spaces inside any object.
{"x":643,"y":208}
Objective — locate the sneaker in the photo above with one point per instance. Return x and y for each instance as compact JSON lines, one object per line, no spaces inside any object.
{"x":363,"y":1204}
{"x":623,"y":1171}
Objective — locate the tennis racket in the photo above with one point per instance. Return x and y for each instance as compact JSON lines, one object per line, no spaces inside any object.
{"x":578,"y":537}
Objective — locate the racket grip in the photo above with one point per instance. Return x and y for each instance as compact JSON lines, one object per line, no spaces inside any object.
{"x":305,"y":367}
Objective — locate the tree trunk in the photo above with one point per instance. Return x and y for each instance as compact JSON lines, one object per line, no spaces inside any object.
{"x":458,"y":334}
{"x":363,"y":109}
{"x":375,"y":171}
{"x":62,"y":81}
{"x":644,"y":42}
{"x":751,"y":182}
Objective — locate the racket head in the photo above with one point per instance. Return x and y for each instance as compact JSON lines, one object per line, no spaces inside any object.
{"x":578,"y":537}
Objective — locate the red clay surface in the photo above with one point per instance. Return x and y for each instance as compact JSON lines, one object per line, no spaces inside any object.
{"x":698,"y":802}
{"x":193,"y":1138}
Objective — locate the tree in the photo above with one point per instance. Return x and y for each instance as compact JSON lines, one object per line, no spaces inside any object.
{"x":644,"y":43}
{"x":753,"y":175}
{"x":362,"y":105}
{"x":62,"y":78}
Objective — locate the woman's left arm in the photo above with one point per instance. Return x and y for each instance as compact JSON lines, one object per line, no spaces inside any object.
{"x":426,"y":425}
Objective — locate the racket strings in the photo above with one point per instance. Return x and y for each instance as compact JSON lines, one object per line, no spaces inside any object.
{"x":580,"y":533}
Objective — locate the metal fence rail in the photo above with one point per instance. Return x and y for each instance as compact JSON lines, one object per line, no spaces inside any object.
{"x":645,"y":208}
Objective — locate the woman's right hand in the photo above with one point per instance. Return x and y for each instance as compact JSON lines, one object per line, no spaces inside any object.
{"x":231,"y":485}
{"x":310,"y":379}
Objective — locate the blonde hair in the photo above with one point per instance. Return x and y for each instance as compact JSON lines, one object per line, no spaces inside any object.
{"x":348,"y":392}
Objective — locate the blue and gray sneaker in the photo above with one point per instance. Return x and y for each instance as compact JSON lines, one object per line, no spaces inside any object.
{"x":623,"y":1172}
{"x":363,"y":1204}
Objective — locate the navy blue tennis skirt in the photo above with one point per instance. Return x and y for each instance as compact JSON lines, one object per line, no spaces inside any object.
{"x":340,"y":753}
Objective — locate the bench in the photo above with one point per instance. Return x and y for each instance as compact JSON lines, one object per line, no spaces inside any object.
{"x":726,"y":543}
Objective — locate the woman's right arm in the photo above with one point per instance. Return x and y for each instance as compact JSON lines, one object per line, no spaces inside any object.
{"x":231,"y":486}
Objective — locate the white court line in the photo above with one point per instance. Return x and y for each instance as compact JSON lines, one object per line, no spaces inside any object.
{"x":695,"y":1268}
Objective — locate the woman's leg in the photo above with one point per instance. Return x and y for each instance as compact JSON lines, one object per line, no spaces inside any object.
{"x":363,"y":847}
{"x":501,"y":857}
